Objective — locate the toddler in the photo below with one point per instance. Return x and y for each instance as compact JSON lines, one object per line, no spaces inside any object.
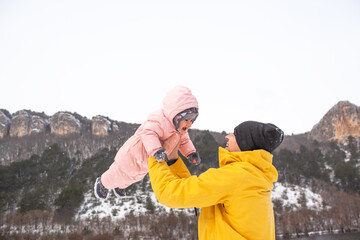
{"x":180,"y":110}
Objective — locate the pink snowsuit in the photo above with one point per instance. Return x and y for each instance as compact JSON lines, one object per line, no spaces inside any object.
{"x":131,"y":161}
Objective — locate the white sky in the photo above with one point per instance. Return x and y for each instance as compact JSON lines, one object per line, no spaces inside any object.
{"x":285,"y":62}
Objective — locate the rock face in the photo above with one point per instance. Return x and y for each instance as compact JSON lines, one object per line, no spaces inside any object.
{"x":25,"y":123}
{"x":25,"y":133}
{"x":100,"y":126}
{"x":340,"y":122}
{"x":5,"y":120}
{"x":64,"y":123}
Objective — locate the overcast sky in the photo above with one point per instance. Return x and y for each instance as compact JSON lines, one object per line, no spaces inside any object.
{"x":285,"y":62}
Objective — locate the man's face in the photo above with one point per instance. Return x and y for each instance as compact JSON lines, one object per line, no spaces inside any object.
{"x":231,"y":144}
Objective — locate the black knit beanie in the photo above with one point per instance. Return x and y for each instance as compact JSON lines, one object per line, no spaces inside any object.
{"x":251,"y":135}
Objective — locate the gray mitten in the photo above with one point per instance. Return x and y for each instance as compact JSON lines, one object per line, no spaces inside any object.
{"x":160,"y":155}
{"x":194,"y":158}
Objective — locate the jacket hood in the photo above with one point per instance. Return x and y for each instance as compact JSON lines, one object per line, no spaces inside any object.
{"x":177,"y":100}
{"x":259,"y":158}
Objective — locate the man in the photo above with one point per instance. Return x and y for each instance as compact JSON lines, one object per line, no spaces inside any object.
{"x":235,"y":198}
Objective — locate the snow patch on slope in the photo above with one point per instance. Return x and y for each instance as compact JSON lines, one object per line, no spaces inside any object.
{"x":295,"y":196}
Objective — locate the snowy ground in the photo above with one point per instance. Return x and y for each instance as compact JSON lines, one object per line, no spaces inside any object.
{"x":117,"y":208}
{"x":289,"y":195}
{"x":292,"y":195}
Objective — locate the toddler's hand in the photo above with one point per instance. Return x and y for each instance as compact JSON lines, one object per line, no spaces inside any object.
{"x":194,"y":158}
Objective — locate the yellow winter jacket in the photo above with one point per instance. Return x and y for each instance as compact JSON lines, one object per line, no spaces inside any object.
{"x":235,"y":198}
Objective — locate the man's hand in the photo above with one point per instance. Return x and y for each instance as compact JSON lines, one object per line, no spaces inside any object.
{"x":174,"y":154}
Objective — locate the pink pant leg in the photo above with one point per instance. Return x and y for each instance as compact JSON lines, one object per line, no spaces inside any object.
{"x":117,"y":176}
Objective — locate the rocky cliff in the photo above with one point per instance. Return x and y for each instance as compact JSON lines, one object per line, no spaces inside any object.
{"x":340,"y":122}
{"x":25,"y":123}
{"x":5,"y":120}
{"x":26,"y":132}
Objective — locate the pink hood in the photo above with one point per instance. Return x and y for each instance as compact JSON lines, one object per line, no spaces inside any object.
{"x":177,"y":100}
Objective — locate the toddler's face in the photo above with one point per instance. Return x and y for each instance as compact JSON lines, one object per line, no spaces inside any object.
{"x":184,"y":125}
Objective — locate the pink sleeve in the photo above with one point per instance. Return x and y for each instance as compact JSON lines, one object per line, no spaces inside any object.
{"x":186,"y":147}
{"x":150,"y":137}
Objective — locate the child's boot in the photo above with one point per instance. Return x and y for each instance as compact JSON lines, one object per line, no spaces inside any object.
{"x":99,"y":190}
{"x":119,"y":192}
